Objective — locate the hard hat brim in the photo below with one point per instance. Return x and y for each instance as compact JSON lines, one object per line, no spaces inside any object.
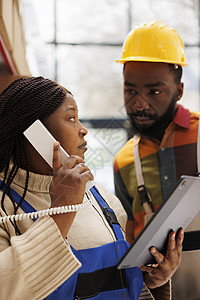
{"x":150,"y":59}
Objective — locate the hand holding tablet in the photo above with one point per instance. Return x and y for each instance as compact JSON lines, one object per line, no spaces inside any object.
{"x":175,"y":213}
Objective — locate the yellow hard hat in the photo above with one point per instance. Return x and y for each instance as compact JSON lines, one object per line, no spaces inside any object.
{"x":153,"y":41}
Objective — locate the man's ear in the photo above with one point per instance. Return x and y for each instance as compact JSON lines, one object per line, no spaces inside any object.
{"x":180,"y":87}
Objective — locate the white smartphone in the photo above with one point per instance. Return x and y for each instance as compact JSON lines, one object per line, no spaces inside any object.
{"x":43,"y":142}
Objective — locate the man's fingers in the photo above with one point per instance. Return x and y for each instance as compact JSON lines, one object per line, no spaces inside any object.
{"x":157,"y":275}
{"x":174,"y":246}
{"x":150,"y":270}
{"x":179,"y":241}
{"x":160,"y":259}
{"x":171,"y":244}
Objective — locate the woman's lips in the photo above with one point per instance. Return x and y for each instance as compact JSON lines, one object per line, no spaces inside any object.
{"x":83,"y":146}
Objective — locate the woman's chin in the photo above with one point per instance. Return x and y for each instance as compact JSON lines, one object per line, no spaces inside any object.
{"x":80,"y":154}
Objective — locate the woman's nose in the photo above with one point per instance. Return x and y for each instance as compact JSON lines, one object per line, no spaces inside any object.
{"x":83,"y":131}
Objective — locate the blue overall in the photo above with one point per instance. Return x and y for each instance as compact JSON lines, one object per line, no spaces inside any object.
{"x":98,"y":278}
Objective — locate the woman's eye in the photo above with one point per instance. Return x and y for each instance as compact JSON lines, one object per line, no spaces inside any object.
{"x":72,"y":118}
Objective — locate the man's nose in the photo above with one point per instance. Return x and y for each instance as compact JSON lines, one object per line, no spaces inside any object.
{"x":141,"y":102}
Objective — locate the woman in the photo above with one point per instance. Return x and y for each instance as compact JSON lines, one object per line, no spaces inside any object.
{"x":36,"y":260}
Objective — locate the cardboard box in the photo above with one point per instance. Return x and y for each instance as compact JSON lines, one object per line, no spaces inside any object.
{"x":6,"y":22}
{"x":5,"y":80}
{"x":19,"y":47}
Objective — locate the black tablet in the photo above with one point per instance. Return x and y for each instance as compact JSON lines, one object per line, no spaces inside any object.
{"x":177,"y":211}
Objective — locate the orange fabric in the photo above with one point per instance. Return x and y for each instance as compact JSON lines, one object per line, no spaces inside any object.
{"x":189,"y":135}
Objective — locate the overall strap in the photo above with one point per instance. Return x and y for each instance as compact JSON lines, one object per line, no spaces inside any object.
{"x":108,"y":213}
{"x":27,"y":208}
{"x":144,"y":195}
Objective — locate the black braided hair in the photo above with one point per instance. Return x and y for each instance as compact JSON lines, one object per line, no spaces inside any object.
{"x":23,"y":102}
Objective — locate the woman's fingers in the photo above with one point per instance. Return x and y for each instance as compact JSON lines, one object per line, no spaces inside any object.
{"x":81,"y":168}
{"x":87,"y":175}
{"x":57,"y":163}
{"x":73,"y":160}
{"x":69,"y":179}
{"x":68,"y":185}
{"x":73,"y":169}
{"x":56,"y":158}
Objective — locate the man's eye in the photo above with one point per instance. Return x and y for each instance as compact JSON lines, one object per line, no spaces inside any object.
{"x":130,"y":91}
{"x":155,"y":92}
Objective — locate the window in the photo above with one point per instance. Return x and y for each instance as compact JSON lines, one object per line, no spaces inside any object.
{"x":76,"y":43}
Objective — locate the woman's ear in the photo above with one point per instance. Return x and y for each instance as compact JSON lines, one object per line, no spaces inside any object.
{"x":180,"y":87}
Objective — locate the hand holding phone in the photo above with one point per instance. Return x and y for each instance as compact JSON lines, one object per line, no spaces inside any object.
{"x":43,"y":142}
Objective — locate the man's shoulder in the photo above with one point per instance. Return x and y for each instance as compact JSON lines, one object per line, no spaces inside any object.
{"x":125,"y":155}
{"x":194,"y":120}
{"x":194,"y":115}
{"x":127,"y":149}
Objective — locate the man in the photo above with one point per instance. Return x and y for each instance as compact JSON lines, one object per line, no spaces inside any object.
{"x":164,"y":143}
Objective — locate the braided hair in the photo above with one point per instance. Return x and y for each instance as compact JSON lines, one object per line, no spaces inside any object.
{"x":23,"y":102}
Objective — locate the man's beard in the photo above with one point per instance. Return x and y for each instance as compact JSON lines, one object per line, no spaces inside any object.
{"x":157,"y":129}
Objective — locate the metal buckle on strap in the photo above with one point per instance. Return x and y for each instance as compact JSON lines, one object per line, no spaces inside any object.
{"x":143,"y":194}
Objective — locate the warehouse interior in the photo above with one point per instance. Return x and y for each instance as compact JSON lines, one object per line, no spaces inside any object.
{"x":77,"y":44}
